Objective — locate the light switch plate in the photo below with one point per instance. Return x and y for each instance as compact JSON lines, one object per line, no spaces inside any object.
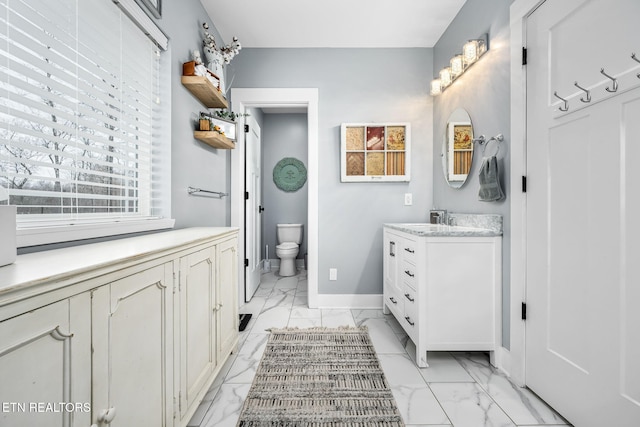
{"x":408,"y":199}
{"x":333,"y":274}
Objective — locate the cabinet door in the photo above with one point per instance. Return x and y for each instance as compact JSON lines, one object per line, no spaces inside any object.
{"x":132,"y":341}
{"x":197,"y":326}
{"x":45,"y":359}
{"x":227,"y":304}
{"x":391,"y":261}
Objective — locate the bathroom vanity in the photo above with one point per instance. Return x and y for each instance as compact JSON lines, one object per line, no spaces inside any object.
{"x":443,"y":284}
{"x":133,"y":331}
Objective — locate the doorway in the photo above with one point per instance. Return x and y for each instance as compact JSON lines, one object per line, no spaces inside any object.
{"x":243,"y":98}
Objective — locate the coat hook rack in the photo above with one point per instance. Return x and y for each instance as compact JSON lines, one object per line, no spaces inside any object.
{"x":635,"y":58}
{"x":193,"y":190}
{"x":588,"y":92}
{"x":566,"y":103}
{"x":614,"y":88}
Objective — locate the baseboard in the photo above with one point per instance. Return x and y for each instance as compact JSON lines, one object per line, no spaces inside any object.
{"x":351,"y":301}
{"x":503,"y":360}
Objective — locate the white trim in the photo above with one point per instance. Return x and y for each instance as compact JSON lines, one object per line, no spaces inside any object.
{"x":520,"y":10}
{"x":350,"y":301}
{"x":142,"y":20}
{"x":242,"y":98}
{"x":66,"y":233}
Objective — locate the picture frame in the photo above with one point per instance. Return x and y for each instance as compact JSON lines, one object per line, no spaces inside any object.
{"x":375,"y":152}
{"x":153,"y":6}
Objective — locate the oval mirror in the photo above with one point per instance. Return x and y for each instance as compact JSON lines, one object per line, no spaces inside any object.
{"x":457,"y":148}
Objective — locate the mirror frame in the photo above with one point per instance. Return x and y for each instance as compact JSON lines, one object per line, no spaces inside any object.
{"x":459,"y":117}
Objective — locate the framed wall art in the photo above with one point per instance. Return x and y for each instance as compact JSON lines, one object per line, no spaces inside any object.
{"x":373,"y":152}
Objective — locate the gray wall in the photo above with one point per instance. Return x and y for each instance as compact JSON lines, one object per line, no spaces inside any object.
{"x":484,"y":91}
{"x":193,"y":163}
{"x":283,"y":135}
{"x":355,"y":85}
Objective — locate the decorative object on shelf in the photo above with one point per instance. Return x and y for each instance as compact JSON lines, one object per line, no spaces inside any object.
{"x":375,"y":152}
{"x":154,"y":6}
{"x":289,"y":174}
{"x":225,"y":114}
{"x":217,"y":58}
{"x":460,"y":63}
{"x":219,"y":124}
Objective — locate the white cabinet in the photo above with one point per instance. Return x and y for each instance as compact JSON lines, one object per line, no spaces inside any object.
{"x":45,"y":357}
{"x":197,"y":358}
{"x":136,"y":330}
{"x":445,"y":291}
{"x":132,"y":348}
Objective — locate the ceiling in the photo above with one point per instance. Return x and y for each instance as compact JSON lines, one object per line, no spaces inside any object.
{"x":332,"y":23}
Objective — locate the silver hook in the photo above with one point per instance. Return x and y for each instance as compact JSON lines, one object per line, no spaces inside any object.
{"x":615,"y":82}
{"x":587,"y":91}
{"x":633,"y":56}
{"x":566,"y":103}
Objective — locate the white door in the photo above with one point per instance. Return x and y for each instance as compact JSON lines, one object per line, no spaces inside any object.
{"x":253,"y":208}
{"x":583,"y":205}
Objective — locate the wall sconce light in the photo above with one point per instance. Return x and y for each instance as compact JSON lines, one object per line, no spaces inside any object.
{"x":459,"y":64}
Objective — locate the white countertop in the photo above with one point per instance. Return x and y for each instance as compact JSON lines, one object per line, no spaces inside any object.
{"x":442,"y":230}
{"x":59,"y":265}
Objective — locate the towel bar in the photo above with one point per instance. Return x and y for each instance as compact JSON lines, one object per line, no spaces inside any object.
{"x":192,"y":190}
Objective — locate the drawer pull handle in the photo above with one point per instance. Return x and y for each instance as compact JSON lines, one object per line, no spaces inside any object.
{"x":409,"y":273}
{"x":393,"y":300}
{"x":411,"y":251}
{"x":408,"y":319}
{"x":409,"y":297}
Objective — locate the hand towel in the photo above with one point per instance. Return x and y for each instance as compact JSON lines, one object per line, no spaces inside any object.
{"x":490,"y":190}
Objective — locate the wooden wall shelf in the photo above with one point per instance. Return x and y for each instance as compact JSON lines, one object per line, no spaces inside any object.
{"x":214,"y":139}
{"x":205,"y":91}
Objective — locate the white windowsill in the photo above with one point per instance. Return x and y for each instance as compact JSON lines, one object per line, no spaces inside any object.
{"x":66,"y":233}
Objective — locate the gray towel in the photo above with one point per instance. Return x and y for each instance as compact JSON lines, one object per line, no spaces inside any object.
{"x":490,"y":190}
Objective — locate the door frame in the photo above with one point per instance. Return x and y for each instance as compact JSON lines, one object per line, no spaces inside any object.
{"x":519,"y":13}
{"x":242,"y":98}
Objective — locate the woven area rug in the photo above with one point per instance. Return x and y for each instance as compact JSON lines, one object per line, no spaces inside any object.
{"x":319,"y":377}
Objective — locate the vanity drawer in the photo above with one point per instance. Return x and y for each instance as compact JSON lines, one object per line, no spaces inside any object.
{"x":409,"y":250}
{"x":409,"y":274}
{"x":410,"y":317}
{"x":394,"y":302}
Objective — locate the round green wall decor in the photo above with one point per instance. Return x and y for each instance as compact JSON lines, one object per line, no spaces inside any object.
{"x":289,"y":174}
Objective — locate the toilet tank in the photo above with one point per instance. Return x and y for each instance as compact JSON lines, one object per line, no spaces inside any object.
{"x":289,"y":233}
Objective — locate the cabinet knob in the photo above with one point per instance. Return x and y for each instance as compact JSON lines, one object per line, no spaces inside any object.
{"x":107,"y":415}
{"x":409,"y":297}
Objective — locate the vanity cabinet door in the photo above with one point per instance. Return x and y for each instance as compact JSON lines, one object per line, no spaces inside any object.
{"x":392,"y":286}
{"x":45,"y":359}
{"x":196,"y":352}
{"x":133,"y":340}
{"x":227,"y":293}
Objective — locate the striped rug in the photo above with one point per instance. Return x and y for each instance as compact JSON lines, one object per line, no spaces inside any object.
{"x":322,"y":378}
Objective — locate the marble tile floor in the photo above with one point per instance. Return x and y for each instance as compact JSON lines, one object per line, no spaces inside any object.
{"x":458,"y":389}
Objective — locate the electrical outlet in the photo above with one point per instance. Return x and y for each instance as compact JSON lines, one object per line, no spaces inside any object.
{"x":333,"y":274}
{"x":408,"y":199}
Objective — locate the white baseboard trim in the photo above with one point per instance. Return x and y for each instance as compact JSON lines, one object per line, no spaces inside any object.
{"x":503,"y":360}
{"x":351,"y":301}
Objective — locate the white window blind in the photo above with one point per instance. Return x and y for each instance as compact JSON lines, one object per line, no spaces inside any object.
{"x":78,"y":84}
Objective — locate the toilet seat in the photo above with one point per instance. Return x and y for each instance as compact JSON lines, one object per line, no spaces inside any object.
{"x":287,"y":245}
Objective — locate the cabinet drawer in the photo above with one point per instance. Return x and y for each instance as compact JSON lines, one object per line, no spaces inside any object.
{"x":394,"y":301}
{"x":410,"y":317}
{"x":409,"y":273}
{"x":409,"y":250}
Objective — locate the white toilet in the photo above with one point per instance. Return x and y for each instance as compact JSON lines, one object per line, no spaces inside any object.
{"x":289,"y":238}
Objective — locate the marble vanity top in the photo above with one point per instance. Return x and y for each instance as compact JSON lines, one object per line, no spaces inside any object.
{"x":462,"y":225}
{"x":441,"y":230}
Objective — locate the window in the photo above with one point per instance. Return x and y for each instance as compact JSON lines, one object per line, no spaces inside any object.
{"x":78,"y":93}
